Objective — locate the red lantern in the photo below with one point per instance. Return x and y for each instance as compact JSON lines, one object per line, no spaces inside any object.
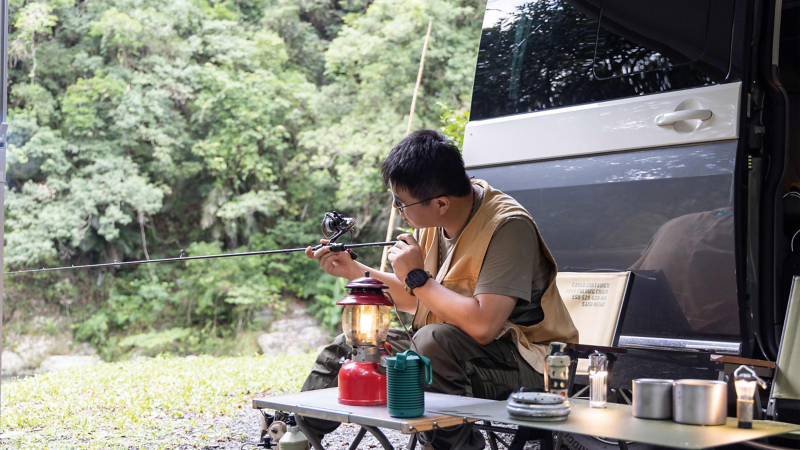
{"x":365,"y":322}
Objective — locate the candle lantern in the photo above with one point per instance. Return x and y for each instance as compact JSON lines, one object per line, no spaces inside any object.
{"x":598,"y":379}
{"x":745,"y":380}
{"x":365,"y":322}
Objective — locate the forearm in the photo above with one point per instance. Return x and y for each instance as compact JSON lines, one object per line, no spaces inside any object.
{"x":405,"y":303}
{"x":464,"y":312}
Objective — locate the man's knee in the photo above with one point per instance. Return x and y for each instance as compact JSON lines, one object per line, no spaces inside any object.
{"x":436,"y":336}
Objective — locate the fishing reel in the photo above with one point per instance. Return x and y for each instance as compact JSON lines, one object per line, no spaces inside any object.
{"x":334,"y":225}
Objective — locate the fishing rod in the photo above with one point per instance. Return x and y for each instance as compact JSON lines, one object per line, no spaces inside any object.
{"x":334,"y":225}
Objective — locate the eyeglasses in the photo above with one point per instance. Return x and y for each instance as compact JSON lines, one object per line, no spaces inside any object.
{"x":402,"y":207}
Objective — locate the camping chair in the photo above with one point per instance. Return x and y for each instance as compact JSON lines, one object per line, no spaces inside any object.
{"x":596,"y":301}
{"x":785,"y":390}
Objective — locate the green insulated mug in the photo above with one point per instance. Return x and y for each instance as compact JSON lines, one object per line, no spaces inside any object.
{"x":407,"y":374}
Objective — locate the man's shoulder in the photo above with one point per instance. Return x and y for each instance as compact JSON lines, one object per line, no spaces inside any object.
{"x":515,"y":229}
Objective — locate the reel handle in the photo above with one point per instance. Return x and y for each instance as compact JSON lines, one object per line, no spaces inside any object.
{"x":338,"y":247}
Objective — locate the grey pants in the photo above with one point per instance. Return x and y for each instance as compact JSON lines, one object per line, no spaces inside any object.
{"x":461,"y":366}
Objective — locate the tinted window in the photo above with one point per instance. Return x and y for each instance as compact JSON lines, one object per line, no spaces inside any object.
{"x":629,"y":41}
{"x":666,"y":214}
{"x":536,"y":55}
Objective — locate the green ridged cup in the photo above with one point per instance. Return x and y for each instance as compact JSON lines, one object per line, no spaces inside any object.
{"x":407,"y":374}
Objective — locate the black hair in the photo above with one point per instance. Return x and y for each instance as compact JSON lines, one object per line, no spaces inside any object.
{"x":426,"y":164}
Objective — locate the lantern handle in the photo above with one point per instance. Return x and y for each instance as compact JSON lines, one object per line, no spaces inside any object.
{"x":597,"y":361}
{"x":397,"y":314}
{"x":752,"y":373}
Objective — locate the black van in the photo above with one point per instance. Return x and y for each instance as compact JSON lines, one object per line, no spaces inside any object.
{"x":661,"y":137}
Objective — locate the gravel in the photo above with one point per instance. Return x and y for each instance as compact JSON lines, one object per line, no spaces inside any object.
{"x":245,"y":429}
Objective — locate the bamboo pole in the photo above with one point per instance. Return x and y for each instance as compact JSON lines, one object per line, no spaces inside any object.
{"x":390,"y":227}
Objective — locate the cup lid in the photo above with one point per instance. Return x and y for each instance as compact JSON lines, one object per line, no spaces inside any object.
{"x":411,"y":360}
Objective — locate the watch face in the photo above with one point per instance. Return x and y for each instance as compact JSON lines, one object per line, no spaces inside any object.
{"x":417,"y":278}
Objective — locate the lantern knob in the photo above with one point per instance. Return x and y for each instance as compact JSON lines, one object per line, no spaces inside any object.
{"x":366,"y":291}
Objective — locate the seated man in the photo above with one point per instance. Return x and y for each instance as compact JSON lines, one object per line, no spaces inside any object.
{"x":476,"y":275}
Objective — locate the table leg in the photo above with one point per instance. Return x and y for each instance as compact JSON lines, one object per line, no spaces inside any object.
{"x":312,"y":438}
{"x":379,"y":436}
{"x":557,"y":437}
{"x":357,"y":440}
{"x":412,"y":442}
{"x":492,"y":436}
{"x":623,"y":444}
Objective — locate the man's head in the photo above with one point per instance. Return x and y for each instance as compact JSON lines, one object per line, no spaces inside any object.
{"x":425,"y":172}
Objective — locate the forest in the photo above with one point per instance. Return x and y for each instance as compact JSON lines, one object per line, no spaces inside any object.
{"x":146,"y":129}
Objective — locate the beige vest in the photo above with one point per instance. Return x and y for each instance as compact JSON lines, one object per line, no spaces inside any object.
{"x":459,"y":273}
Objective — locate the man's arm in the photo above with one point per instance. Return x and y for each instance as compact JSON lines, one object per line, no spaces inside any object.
{"x":481,"y":317}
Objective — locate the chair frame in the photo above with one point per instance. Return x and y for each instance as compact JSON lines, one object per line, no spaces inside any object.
{"x":772,"y":405}
{"x":550,"y":440}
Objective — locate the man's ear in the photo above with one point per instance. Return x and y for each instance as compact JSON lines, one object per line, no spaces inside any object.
{"x":442,"y":204}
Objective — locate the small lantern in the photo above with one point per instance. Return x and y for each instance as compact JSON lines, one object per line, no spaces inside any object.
{"x":365,"y":322}
{"x":745,"y":380}
{"x":598,"y":379}
{"x":556,"y":374}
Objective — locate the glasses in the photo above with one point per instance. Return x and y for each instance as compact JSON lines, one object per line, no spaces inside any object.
{"x":402,"y":207}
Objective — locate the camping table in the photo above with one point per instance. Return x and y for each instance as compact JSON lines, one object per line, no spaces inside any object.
{"x":324,"y":404}
{"x":616,"y":422}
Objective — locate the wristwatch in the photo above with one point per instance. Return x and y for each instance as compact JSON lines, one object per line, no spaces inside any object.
{"x":416,"y":278}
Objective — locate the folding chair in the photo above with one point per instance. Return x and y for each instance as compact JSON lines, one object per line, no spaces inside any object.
{"x":785,"y":392}
{"x":596,"y":301}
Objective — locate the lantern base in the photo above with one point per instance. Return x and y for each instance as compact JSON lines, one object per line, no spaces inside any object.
{"x":360,"y":384}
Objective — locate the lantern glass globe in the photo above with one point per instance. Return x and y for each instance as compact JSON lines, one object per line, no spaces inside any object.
{"x":366,"y":324}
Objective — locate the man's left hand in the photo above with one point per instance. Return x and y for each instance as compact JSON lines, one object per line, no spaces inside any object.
{"x":405,"y":256}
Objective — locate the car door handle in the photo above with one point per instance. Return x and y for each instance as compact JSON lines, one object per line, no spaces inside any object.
{"x":677,"y":116}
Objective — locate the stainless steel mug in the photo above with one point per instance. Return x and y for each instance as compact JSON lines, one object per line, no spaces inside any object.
{"x":700,"y":402}
{"x":652,"y":398}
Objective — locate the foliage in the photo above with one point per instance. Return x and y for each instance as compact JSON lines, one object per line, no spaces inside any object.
{"x":329,"y":290}
{"x":163,"y":402}
{"x":453,"y":124}
{"x":142,"y":128}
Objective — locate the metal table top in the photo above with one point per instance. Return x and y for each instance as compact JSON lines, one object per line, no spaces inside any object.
{"x":617,"y":422}
{"x":324,"y":404}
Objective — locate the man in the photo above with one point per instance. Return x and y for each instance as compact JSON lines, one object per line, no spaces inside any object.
{"x":477,"y":277}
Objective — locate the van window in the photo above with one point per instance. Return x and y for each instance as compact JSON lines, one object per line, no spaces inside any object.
{"x":664,"y":213}
{"x":631,"y":39}
{"x":542,"y":54}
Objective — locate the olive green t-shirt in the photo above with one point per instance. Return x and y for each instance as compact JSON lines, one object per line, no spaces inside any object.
{"x":514,"y":265}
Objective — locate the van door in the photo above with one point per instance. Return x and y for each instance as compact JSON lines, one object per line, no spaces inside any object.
{"x":618,"y":125}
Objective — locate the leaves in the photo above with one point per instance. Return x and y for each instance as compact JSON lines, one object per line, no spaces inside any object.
{"x":142,"y":128}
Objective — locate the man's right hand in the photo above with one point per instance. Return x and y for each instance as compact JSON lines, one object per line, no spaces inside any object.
{"x":338,"y":264}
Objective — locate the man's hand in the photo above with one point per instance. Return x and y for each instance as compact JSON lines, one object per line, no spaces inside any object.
{"x":338,"y":264}
{"x":405,"y":256}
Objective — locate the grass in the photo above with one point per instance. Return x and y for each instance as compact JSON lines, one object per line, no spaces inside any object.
{"x":163,"y":402}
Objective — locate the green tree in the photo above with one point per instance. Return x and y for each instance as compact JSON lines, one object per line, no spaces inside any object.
{"x":142,"y":128}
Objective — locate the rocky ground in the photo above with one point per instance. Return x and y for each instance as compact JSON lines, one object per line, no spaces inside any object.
{"x":293,"y":333}
{"x":43,"y":349}
{"x":48,"y":345}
